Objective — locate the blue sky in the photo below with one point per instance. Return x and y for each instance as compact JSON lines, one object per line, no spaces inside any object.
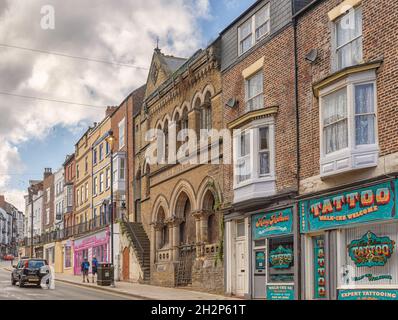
{"x":32,"y":141}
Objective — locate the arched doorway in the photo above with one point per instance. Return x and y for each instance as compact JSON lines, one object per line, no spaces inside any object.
{"x":186,"y":240}
{"x":126,"y":264}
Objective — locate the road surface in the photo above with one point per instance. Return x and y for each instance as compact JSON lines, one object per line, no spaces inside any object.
{"x":63,"y":291}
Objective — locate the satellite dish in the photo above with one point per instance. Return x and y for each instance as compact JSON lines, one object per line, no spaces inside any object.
{"x":232,"y":103}
{"x":312,"y":55}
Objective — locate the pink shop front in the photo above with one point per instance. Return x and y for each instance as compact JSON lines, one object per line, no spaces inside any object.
{"x":96,"y":244}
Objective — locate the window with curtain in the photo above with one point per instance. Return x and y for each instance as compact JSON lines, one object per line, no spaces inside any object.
{"x":101,"y":183}
{"x":243,"y":159}
{"x":245,"y":36}
{"x":335,"y":122}
{"x":122,"y":126}
{"x":121,"y":169}
{"x":264,"y":151}
{"x":254,"y":92}
{"x":348,"y":31}
{"x":365,"y":116}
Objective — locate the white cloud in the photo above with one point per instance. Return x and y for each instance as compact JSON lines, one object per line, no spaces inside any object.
{"x":123,"y":31}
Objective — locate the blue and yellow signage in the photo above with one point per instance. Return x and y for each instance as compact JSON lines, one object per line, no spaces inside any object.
{"x":271,"y":224}
{"x":280,"y":292}
{"x":371,"y":294}
{"x":374,"y":203}
{"x":371,"y":250}
{"x":281,"y":258}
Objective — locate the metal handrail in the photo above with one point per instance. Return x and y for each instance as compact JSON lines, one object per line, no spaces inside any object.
{"x":141,"y":249}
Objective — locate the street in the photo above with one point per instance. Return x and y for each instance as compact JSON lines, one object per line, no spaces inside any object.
{"x":62,"y":291}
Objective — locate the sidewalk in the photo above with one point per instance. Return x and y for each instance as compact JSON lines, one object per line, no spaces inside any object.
{"x":143,"y":291}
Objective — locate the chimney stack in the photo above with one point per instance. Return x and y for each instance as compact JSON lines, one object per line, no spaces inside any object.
{"x":109,"y":111}
{"x":47,"y":172}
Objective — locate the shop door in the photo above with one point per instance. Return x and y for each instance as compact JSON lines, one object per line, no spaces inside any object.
{"x":259,"y":280}
{"x":240,"y":268}
{"x":126,"y":264}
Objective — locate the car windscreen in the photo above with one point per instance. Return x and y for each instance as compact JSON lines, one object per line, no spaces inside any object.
{"x":36,"y":264}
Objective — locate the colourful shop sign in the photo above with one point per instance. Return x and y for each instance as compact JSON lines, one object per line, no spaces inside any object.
{"x":271,"y":224}
{"x":371,"y":250}
{"x":371,"y":294}
{"x":319,"y":267}
{"x":281,"y":258}
{"x":280,"y":292}
{"x":374,"y":203}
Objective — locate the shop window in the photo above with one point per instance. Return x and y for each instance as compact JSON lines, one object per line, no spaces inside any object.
{"x":368,"y":256}
{"x":281,"y":260}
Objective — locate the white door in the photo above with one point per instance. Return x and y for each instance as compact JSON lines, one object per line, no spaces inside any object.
{"x":241,"y":268}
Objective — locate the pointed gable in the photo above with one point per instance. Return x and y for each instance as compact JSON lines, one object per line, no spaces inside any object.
{"x":162,"y":67}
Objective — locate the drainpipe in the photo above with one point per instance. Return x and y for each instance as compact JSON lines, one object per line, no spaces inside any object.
{"x":296,"y":94}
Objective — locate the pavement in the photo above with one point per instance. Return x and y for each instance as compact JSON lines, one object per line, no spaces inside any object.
{"x":70,"y":287}
{"x":143,"y":291}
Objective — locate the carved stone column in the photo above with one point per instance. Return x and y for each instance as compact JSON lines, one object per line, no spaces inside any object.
{"x":174,"y":224}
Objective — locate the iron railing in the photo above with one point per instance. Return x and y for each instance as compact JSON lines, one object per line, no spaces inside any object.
{"x":137,"y":243}
{"x":66,"y":233}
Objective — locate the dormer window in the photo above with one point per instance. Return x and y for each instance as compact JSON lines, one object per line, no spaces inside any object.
{"x":254,"y":29}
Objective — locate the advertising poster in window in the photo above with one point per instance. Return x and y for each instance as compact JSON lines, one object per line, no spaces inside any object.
{"x":373,"y":203}
{"x":280,"y":292}
{"x":319,"y":267}
{"x":271,"y":224}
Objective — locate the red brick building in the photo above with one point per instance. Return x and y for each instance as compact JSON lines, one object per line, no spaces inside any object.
{"x":347,"y":90}
{"x":260,"y":108}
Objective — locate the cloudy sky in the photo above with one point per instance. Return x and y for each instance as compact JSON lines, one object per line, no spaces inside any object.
{"x":35,"y":134}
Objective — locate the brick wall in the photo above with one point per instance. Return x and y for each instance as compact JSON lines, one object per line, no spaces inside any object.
{"x":278,"y":74}
{"x":380,"y":38}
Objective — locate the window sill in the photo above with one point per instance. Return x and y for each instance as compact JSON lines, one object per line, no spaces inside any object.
{"x":349,"y":160}
{"x":255,"y":188}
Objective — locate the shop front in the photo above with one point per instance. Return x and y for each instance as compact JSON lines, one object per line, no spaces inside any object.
{"x":273,"y":248}
{"x":349,"y":243}
{"x":96,"y":244}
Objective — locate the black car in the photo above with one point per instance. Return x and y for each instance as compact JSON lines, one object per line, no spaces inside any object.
{"x":27,"y":271}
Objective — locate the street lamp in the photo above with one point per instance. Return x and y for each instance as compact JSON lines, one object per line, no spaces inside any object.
{"x":111,"y":139}
{"x":31,"y":192}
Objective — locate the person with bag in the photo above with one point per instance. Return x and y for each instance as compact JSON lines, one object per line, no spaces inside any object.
{"x":94,"y":267}
{"x":85,"y":267}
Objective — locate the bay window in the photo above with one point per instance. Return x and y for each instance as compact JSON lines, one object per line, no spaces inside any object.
{"x":253,"y":154}
{"x":254,"y":88}
{"x":348,"y":39}
{"x":243,"y":160}
{"x":254,"y":29}
{"x":349,"y":124}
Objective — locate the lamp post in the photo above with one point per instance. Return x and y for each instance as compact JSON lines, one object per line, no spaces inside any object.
{"x":111,"y":139}
{"x":30,"y":189}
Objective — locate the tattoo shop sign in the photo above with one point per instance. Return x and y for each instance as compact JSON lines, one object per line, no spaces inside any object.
{"x":271,"y":224}
{"x":371,"y":250}
{"x":374,"y":203}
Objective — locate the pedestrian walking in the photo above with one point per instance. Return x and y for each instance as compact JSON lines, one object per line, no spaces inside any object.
{"x":94,"y":267}
{"x":85,"y":268}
